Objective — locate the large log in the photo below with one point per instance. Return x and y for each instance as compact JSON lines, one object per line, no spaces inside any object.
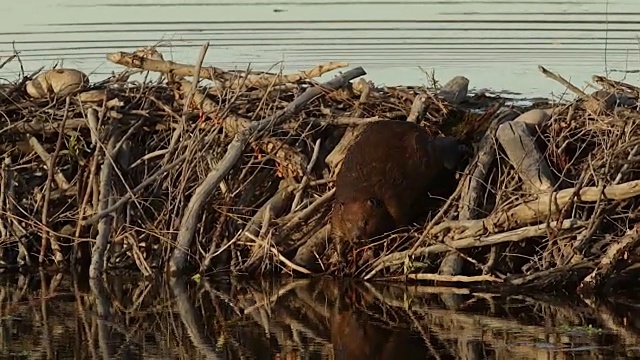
{"x":519,"y":144}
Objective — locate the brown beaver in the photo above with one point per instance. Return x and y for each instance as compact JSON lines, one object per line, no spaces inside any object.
{"x":385,"y":178}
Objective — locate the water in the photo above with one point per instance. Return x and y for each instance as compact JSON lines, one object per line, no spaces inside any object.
{"x":65,"y":317}
{"x":498,"y":44}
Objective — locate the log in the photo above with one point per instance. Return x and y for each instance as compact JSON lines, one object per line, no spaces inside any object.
{"x":551,"y":204}
{"x":472,"y":191}
{"x":308,"y":254}
{"x":335,"y":158}
{"x":451,"y":265}
{"x":276,"y":207}
{"x":517,"y":141}
{"x":417,"y":109}
{"x":104,"y":226}
{"x":455,"y":90}
{"x":484,"y":158}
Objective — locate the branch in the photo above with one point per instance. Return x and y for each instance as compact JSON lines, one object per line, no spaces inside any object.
{"x":104,"y":226}
{"x":470,"y":242}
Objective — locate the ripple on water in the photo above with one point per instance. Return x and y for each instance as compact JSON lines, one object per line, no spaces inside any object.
{"x":496,"y":44}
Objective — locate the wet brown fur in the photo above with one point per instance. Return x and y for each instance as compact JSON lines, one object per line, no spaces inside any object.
{"x":384,"y":181}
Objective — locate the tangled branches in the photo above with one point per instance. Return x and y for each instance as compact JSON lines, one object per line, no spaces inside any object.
{"x":237,"y":175}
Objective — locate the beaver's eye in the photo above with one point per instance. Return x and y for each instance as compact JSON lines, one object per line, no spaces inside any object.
{"x":375,"y":202}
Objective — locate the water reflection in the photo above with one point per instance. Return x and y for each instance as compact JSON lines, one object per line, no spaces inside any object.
{"x":66,"y":316}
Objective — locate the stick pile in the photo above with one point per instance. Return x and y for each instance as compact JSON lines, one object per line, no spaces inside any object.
{"x":237,"y":174}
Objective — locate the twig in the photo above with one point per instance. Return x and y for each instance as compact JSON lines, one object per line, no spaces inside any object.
{"x":196,"y":77}
{"x":128,"y":196}
{"x":8,"y":60}
{"x":280,"y":257}
{"x":58,"y":176}
{"x":47,"y":195}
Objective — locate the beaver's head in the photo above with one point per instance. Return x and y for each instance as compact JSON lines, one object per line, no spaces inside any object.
{"x":358,"y":219}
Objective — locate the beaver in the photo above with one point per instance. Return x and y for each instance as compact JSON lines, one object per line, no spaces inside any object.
{"x":385,"y":178}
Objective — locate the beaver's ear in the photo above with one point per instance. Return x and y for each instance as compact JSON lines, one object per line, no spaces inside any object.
{"x":338,"y":205}
{"x":375,"y":202}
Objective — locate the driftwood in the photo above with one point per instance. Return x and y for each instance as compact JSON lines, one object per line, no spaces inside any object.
{"x":519,"y":144}
{"x":223,"y":78}
{"x":56,"y":83}
{"x":455,"y":90}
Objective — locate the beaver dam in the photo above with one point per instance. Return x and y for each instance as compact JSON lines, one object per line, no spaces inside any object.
{"x":206,"y":170}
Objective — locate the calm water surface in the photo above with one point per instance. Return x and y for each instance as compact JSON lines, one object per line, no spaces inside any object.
{"x":497,"y":44}
{"x":63,"y":317}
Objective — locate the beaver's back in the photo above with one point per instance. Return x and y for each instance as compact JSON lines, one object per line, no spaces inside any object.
{"x":392,"y":161}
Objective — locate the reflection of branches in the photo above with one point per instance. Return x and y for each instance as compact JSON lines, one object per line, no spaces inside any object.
{"x":191,"y":321}
{"x":104,"y":314}
{"x":292,"y":285}
{"x":247,"y":320}
{"x":615,"y":323}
